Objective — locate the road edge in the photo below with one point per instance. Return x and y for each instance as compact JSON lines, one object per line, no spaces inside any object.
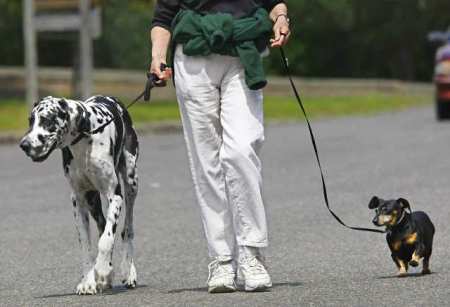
{"x":11,"y":138}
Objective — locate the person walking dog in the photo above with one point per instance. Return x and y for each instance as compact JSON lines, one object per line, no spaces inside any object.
{"x":217,"y":61}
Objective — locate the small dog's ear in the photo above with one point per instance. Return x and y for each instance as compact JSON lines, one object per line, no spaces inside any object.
{"x":404,"y":203}
{"x":374,"y":202}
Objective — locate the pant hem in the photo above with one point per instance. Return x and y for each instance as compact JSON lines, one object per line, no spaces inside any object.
{"x":253,"y":244}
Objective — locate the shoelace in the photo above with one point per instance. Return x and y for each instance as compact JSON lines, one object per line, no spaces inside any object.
{"x":255,"y":264}
{"x":218,"y":267}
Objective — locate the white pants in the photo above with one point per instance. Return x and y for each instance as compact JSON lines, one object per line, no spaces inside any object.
{"x":223,"y":128}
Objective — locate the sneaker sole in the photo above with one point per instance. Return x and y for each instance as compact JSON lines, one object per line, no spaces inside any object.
{"x":261,"y":288}
{"x":222,"y":289}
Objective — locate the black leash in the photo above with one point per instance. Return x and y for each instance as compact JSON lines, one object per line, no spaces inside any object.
{"x":152,"y":81}
{"x":313,"y":140}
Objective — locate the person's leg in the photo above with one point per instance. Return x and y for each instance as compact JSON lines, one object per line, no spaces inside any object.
{"x":243,"y":136}
{"x":196,"y":81}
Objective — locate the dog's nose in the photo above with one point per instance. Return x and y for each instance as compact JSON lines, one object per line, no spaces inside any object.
{"x":25,"y":145}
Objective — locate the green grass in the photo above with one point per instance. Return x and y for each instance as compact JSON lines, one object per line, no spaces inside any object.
{"x":14,"y":113}
{"x":333,"y":106}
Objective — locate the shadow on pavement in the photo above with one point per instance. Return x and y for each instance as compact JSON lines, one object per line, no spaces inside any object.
{"x":204,"y":289}
{"x":115,"y":290}
{"x":409,"y":275}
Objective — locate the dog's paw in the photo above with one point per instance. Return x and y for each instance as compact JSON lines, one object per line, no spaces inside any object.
{"x":414,"y":263}
{"x":402,"y":272}
{"x":88,"y":285}
{"x":131,"y":281}
{"x":104,"y":278}
{"x":426,"y":271}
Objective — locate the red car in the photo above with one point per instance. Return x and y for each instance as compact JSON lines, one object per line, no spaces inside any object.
{"x":442,"y":81}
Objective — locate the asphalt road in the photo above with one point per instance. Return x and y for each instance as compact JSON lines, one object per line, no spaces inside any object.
{"x":313,"y":260}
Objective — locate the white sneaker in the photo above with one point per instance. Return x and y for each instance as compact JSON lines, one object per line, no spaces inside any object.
{"x":253,"y":274}
{"x":221,"y":277}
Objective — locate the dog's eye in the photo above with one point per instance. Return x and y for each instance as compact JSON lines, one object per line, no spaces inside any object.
{"x":31,"y":120}
{"x":381,"y":210}
{"x":47,"y":122}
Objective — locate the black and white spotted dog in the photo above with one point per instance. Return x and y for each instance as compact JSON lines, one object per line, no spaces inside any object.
{"x":96,"y":165}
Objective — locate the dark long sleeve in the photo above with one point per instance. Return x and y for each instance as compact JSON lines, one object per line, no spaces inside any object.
{"x":165,"y":11}
{"x":270,"y":4}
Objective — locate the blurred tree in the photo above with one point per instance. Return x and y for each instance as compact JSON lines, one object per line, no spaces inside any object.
{"x":397,"y":41}
{"x":125,"y":39}
{"x":319,"y":43}
{"x":11,"y":32}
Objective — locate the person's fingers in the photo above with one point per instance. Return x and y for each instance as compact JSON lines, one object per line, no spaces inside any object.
{"x":277,"y":33}
{"x":167,"y":74}
{"x":280,"y":42}
{"x":276,"y":38}
{"x":281,"y":35}
{"x":285,"y":33}
{"x":275,"y":44}
{"x":288,"y":36}
{"x":163,"y":75}
{"x":156,"y":68}
{"x":284,"y":29}
{"x":286,"y":39}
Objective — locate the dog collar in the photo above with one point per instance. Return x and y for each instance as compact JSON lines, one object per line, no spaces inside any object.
{"x":400,"y":221}
{"x":81,"y":133}
{"x":401,"y":218}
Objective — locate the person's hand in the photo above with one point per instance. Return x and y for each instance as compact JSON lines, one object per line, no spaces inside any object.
{"x":155,"y":68}
{"x":281,"y":32}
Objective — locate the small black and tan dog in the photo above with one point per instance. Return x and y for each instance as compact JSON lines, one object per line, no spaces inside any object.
{"x":409,"y":234}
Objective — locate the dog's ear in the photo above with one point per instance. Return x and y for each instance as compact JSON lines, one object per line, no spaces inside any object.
{"x":374,"y":202}
{"x":85,"y":125}
{"x":63,"y":104}
{"x":404,"y":203}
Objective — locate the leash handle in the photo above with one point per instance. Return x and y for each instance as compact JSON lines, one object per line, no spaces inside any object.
{"x":316,"y":151}
{"x":153,"y":81}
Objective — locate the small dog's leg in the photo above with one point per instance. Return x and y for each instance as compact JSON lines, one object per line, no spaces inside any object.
{"x":403,"y":267}
{"x":426,"y":265}
{"x":81,"y":215}
{"x":131,"y":188}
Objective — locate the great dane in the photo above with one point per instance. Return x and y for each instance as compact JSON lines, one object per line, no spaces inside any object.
{"x":99,"y":152}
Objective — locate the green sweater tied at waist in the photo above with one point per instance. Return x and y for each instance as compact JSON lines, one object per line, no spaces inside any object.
{"x":220,"y":33}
